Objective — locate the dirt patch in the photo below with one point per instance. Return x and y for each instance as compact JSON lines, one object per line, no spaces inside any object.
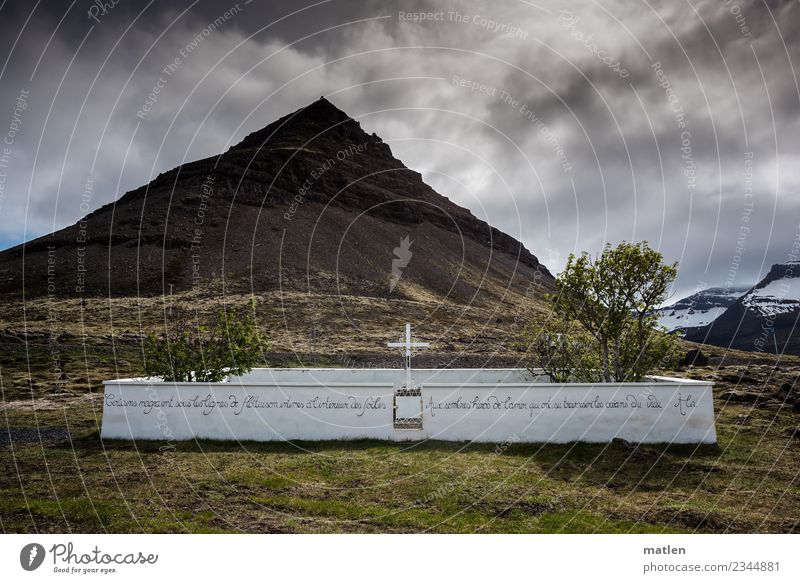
{"x":27,"y":435}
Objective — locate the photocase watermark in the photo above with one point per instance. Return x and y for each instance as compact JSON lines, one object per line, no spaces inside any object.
{"x":83,"y":236}
{"x":569,"y":21}
{"x":739,"y":16}
{"x":402,"y":256}
{"x":15,"y":125}
{"x":99,"y":8}
{"x":346,"y":361}
{"x":544,"y":130}
{"x":196,"y":241}
{"x":418,"y":17}
{"x":65,"y":559}
{"x":7,"y":150}
{"x":305,"y":188}
{"x":52,"y":318}
{"x":744,"y":223}
{"x":502,"y":28}
{"x":521,"y":108}
{"x":687,"y":156}
{"x":169,"y":70}
{"x":31,"y":556}
{"x":475,"y":86}
{"x":768,"y":326}
{"x":162,"y":423}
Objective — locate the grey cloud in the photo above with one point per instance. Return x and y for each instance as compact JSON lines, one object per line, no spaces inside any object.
{"x":501,"y":165}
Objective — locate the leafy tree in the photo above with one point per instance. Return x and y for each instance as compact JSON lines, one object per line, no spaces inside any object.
{"x":614,"y":297}
{"x":191,"y":351}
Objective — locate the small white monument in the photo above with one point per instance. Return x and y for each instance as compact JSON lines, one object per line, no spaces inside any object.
{"x":483,"y":405}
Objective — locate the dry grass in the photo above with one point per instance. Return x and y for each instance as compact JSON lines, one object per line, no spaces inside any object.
{"x":57,"y":475}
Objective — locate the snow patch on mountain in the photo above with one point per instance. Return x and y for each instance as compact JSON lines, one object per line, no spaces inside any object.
{"x":690,"y":318}
{"x":779,"y":296}
{"x":699,"y":309}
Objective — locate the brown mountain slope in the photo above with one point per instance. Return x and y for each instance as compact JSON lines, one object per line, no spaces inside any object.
{"x":309,"y":203}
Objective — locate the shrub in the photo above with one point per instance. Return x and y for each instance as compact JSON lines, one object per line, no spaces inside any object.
{"x":564,"y":350}
{"x":606,"y":307}
{"x":190,"y":351}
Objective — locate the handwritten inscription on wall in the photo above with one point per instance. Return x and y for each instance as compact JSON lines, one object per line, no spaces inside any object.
{"x":360,"y":405}
{"x":506,"y":403}
{"x":238,"y":404}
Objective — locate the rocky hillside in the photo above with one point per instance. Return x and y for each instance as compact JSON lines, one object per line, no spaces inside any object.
{"x":311,"y":203}
{"x":765,"y":319}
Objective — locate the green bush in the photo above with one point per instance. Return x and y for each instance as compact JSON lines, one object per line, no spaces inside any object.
{"x":563,"y":349}
{"x":190,"y":351}
{"x":604,"y":318}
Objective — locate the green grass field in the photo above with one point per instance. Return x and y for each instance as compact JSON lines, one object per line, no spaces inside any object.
{"x":748,"y":483}
{"x":71,"y":481}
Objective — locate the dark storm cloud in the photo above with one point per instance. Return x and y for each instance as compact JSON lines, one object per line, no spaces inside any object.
{"x":588,"y":123}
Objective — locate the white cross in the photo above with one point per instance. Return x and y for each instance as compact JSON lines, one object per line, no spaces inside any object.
{"x":408,"y":345}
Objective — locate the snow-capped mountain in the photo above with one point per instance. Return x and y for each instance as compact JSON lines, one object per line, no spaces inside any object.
{"x":778,"y":293}
{"x":699,"y":309}
{"x":766,"y":318}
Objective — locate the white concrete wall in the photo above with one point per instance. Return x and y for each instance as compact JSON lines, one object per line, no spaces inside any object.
{"x":329,"y":404}
{"x":390,"y":375}
{"x":676,"y":412}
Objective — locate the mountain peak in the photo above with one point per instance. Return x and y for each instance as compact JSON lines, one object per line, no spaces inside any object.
{"x":310,"y":202}
{"x":764,"y":319}
{"x":700,"y":308}
{"x":788,"y":270}
{"x":320,"y":118}
{"x":323,"y":110}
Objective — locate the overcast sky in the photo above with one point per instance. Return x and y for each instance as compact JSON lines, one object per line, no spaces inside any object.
{"x":565,"y":124}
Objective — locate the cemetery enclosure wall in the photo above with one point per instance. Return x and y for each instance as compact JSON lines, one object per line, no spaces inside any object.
{"x":311,"y":404}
